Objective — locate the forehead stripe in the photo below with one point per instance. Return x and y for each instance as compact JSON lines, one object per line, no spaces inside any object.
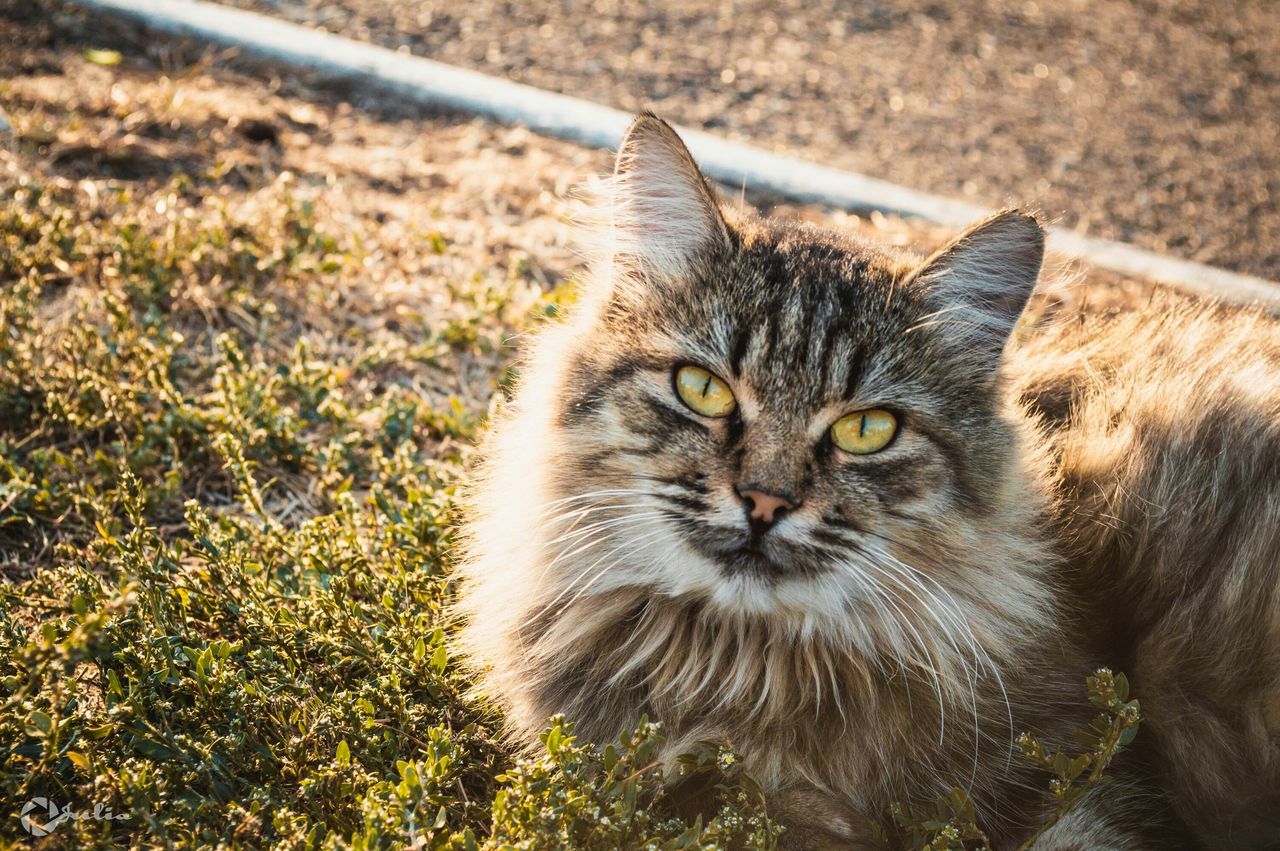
{"x":741,"y":341}
{"x":856,"y":364}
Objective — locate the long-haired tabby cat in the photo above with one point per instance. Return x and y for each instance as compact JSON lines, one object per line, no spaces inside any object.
{"x":773,"y":485}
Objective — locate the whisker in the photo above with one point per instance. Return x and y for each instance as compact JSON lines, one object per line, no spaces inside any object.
{"x":625,"y":544}
{"x":920,"y":643}
{"x":981,"y":656}
{"x":574,"y":531}
{"x":600,"y":527}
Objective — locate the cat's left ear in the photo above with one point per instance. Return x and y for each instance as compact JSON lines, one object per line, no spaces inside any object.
{"x":664,"y":212}
{"x":979,"y":284}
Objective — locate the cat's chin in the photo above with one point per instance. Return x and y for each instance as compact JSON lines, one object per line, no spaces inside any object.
{"x":767,"y":591}
{"x":746,"y":593}
{"x":772,"y":559}
{"x":753,"y":561}
{"x":742,"y":578}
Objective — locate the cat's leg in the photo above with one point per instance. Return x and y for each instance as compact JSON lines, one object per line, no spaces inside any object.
{"x":815,"y":821}
{"x":1081,"y":831}
{"x":1112,"y":818}
{"x":1222,"y":764}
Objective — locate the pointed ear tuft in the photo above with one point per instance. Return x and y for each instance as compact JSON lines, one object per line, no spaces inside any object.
{"x":980,"y":282}
{"x":664,"y":212}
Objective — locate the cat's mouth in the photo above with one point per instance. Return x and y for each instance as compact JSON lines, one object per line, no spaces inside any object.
{"x":751,"y":558}
{"x":767,"y":557}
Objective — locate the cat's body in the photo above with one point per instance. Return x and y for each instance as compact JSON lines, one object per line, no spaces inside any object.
{"x":894,"y":616}
{"x":1164,"y":426}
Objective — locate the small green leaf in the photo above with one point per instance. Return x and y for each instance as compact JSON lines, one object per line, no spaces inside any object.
{"x":204,"y":664}
{"x":439,"y":659}
{"x":344,"y":753}
{"x":39,"y":724}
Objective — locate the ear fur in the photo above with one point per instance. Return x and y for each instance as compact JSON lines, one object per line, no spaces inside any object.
{"x":664,"y":212}
{"x":979,"y":283}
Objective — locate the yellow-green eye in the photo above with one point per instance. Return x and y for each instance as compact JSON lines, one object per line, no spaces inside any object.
{"x":703,"y":392}
{"x":864,"y":432}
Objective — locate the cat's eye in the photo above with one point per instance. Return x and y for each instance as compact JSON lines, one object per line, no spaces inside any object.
{"x":703,"y":392}
{"x":864,"y":432}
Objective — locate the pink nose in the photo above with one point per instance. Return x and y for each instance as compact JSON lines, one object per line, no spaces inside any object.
{"x":766,"y":507}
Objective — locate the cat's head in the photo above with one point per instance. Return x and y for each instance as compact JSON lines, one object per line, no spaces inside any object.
{"x":772,"y":417}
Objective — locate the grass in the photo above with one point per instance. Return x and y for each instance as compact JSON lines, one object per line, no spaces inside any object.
{"x":226,"y":512}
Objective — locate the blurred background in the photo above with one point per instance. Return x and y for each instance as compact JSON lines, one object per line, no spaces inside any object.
{"x":1153,"y":122}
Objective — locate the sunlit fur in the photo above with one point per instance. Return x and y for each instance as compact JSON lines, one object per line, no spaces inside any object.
{"x":1165,"y":432}
{"x":899,"y":626}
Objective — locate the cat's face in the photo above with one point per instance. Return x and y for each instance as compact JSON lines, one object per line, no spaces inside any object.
{"x":771,"y":417}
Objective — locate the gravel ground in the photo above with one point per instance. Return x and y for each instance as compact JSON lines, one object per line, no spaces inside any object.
{"x":440,"y":203}
{"x":1154,"y":122}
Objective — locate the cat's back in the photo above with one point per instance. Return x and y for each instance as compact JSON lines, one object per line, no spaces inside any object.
{"x":1164,"y":429}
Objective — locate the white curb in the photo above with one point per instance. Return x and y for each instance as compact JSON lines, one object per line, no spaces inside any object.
{"x":732,"y":163}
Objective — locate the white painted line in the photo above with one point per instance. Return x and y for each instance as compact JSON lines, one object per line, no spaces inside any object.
{"x":436,"y":84}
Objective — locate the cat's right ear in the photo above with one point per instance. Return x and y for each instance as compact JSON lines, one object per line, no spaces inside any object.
{"x":663,"y":212}
{"x":980,"y":282}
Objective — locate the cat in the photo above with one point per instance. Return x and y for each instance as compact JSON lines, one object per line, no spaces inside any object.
{"x":770,"y":484}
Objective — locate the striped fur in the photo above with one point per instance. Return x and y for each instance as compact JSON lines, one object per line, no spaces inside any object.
{"x":906,"y":620}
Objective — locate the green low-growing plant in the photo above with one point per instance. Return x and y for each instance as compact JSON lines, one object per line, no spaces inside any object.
{"x":226,"y":534}
{"x":576,"y":796}
{"x":951,"y":824}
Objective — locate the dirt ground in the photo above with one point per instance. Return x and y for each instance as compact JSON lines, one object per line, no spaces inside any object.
{"x":1153,"y":123}
{"x":438,"y":203}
